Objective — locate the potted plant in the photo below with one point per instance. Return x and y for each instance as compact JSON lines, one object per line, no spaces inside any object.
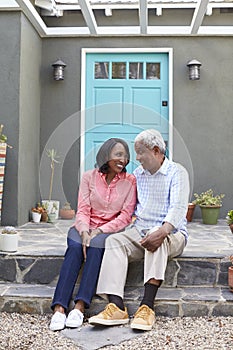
{"x":230,"y":274}
{"x":3,"y":149}
{"x":36,"y":213}
{"x":52,"y":214}
{"x":52,"y":155}
{"x":9,"y":239}
{"x":39,"y":213}
{"x":229,"y":218}
{"x":190,"y":211}
{"x":210,"y":205}
{"x":44,"y":212}
{"x":66,"y":212}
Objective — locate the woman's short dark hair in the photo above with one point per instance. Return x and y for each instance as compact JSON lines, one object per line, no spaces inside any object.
{"x":103,"y":155}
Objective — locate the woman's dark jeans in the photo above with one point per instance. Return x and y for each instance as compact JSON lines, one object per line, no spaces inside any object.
{"x":71,"y":267}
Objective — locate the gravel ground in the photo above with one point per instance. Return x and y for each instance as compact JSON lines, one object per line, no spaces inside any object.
{"x":30,"y":332}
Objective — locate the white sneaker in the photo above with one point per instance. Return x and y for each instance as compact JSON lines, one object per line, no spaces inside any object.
{"x":74,"y":319}
{"x":58,"y":321}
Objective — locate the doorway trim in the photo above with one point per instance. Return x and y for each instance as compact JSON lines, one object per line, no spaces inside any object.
{"x":85,"y":51}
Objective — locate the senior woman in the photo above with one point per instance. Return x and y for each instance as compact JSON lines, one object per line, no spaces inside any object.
{"x":106,"y":202}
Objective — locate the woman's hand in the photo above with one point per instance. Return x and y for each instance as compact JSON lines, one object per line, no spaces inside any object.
{"x":86,"y":238}
{"x":95,"y":232}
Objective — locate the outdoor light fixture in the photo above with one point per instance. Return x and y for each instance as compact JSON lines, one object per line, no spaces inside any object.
{"x":58,"y":70}
{"x":194,"y":69}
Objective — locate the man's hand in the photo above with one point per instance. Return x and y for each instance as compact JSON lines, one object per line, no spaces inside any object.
{"x":154,"y":240}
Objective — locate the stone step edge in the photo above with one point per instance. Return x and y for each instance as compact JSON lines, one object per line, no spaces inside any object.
{"x":170,"y":302}
{"x":179,"y":272}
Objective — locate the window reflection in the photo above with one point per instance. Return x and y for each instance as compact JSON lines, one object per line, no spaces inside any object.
{"x":118,"y":70}
{"x":101,"y":70}
{"x":153,"y":71}
{"x":135,"y":70}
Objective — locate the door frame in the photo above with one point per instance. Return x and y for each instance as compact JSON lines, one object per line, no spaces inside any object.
{"x":86,"y":51}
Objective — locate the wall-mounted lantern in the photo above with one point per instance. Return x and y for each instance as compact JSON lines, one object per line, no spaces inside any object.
{"x":194,"y":69}
{"x":58,"y":70}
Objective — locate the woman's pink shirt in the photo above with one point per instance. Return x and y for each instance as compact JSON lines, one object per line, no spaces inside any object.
{"x":108,"y":207}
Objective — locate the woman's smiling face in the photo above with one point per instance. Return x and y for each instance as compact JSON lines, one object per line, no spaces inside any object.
{"x":118,"y":158}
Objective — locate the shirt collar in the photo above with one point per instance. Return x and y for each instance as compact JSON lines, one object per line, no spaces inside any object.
{"x":117,"y":176}
{"x":163,"y":169}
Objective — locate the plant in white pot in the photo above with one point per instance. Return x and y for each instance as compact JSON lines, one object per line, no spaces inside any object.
{"x":210,"y":205}
{"x":36,"y":213}
{"x":9,"y":239}
{"x":49,"y":203}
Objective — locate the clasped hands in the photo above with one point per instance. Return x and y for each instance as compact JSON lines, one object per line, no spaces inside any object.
{"x":86,"y":239}
{"x":153,"y":241}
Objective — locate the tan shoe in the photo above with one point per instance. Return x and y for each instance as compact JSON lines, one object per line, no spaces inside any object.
{"x":111,"y":316}
{"x":144,"y":319}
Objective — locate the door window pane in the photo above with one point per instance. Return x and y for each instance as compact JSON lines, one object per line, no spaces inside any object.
{"x":135,"y":70}
{"x":118,"y":70}
{"x":153,"y":71}
{"x":101,"y":70}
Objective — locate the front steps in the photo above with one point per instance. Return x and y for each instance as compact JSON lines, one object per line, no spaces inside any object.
{"x":196,"y":283}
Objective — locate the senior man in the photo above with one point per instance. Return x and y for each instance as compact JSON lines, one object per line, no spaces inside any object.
{"x":159,"y":233}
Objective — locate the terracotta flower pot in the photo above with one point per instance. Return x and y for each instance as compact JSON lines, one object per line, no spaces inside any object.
{"x":44,"y":216}
{"x":190,"y":212}
{"x":231,"y":227}
{"x":67,"y":214}
{"x":230,"y":278}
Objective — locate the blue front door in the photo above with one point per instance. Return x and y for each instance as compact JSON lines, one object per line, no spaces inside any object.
{"x":125,"y":94}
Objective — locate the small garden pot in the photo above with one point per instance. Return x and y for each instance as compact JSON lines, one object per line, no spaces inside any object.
{"x":230,"y":278}
{"x":189,"y":215}
{"x":44,"y":216}
{"x":9,"y":242}
{"x":231,"y":227}
{"x":51,"y":217}
{"x":36,"y":217}
{"x":67,"y":214}
{"x":210,"y":214}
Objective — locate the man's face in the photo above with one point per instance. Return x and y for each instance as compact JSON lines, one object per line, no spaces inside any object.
{"x":150,"y":159}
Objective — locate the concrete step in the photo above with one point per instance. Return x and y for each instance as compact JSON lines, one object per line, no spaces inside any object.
{"x":196,"y":283}
{"x":170,"y":301}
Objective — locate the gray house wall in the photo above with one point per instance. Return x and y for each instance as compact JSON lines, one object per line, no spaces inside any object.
{"x":20,"y":62}
{"x":202,"y":109}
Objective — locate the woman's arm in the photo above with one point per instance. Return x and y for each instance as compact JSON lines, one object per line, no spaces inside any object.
{"x":82,"y":219}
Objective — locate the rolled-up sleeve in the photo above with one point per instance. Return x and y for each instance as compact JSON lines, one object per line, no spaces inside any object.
{"x":179,"y":196}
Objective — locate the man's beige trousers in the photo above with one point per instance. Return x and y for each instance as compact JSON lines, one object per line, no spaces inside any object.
{"x":124,"y":247}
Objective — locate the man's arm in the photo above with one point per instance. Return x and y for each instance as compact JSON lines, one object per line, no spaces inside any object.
{"x":153,"y":240}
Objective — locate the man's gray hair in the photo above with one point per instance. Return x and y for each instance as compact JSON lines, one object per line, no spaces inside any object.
{"x":151,"y":138}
